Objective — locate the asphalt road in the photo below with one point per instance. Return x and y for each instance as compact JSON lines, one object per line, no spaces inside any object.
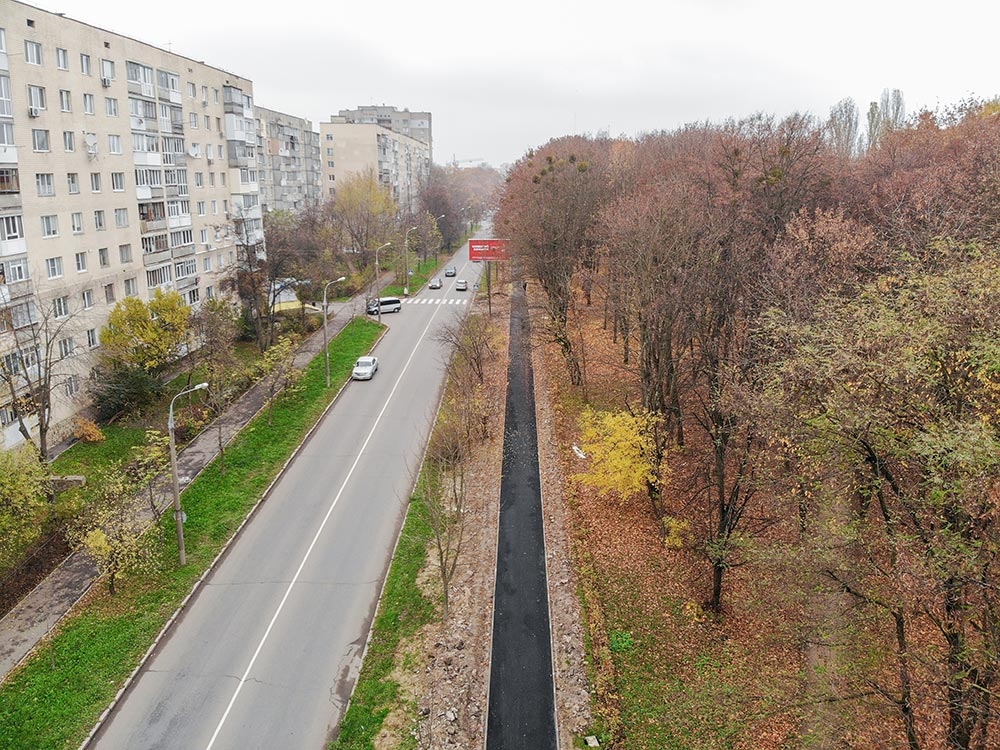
{"x":267,"y":652}
{"x":522,"y":699}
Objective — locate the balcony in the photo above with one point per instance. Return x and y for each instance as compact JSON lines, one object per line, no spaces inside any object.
{"x":152,"y":225}
{"x":156,"y":258}
{"x":183,"y":251}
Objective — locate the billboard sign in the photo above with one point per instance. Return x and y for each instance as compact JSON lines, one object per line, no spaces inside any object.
{"x":488,"y":249}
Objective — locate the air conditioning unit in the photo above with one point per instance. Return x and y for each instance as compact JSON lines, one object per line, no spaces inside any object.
{"x":34,"y":111}
{"x":106,"y":82}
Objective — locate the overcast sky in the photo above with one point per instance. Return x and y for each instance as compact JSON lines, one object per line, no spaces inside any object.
{"x":504,"y":76}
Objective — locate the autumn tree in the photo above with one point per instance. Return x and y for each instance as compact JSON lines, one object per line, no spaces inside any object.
{"x":278,"y":371}
{"x":444,"y":492}
{"x":898,"y":386}
{"x":146,"y":336}
{"x":885,"y":116}
{"x":469,"y":339}
{"x":112,"y":532}
{"x":365,"y":216}
{"x":547,"y":212}
{"x":843,"y":129}
{"x":216,"y":326}
{"x":39,"y":351}
{"x":24,"y":506}
{"x":148,"y":461}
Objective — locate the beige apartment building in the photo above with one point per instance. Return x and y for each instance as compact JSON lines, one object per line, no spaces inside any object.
{"x":288,"y":161}
{"x":401,"y":162}
{"x":124,"y":169}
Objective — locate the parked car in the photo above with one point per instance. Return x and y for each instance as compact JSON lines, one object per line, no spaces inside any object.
{"x":364,"y":368}
{"x":461,"y":285}
{"x":450,"y":271}
{"x":434,"y":283}
{"x":383,"y":305}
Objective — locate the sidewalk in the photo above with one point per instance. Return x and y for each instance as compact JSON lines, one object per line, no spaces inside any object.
{"x":36,"y":614}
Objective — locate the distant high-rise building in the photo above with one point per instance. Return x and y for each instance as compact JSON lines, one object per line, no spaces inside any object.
{"x":363,"y":140}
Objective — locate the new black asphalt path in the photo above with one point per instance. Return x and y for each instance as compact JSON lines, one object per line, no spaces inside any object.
{"x":521,"y":710}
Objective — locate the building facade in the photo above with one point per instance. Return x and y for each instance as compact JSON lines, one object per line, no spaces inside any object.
{"x":400,"y":162}
{"x":288,"y":161}
{"x":124,"y":169}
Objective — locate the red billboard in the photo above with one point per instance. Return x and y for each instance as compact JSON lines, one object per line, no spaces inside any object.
{"x":481,"y":249}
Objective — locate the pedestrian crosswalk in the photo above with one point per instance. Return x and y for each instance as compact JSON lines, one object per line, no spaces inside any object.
{"x":434,"y":301}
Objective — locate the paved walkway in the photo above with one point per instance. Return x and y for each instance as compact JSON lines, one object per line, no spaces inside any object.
{"x":522,"y":698}
{"x":34,"y":616}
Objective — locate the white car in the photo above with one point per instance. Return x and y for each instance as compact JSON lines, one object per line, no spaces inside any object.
{"x":461,"y":285}
{"x":364,"y":368}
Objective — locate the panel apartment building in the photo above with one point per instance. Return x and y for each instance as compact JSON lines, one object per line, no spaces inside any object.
{"x":124,"y":169}
{"x":288,"y":161}
{"x":395,"y":144}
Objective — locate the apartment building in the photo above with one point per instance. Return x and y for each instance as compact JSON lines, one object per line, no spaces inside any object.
{"x":416,"y":125}
{"x":124,"y":169}
{"x":353,"y":144}
{"x":287,"y":161}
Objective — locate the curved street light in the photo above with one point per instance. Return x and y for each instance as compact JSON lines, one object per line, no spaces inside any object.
{"x":326,"y":343}
{"x":178,"y":512}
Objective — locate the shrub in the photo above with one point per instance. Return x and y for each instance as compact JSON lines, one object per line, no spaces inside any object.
{"x":87,"y":431}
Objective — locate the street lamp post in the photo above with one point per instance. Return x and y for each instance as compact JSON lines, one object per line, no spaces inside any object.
{"x":326,"y":343}
{"x":178,"y":512}
{"x":406,"y":262}
{"x":378,"y":306}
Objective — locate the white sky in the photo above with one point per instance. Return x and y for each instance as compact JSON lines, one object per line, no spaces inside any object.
{"x":504,"y":76}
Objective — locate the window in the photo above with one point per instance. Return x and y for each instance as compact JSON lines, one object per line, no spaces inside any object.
{"x":40,"y":140}
{"x":60,"y":307}
{"x":192,"y":90}
{"x":207,"y":263}
{"x":85,"y":64}
{"x":117,"y":181}
{"x":62,"y":59}
{"x":76,"y":222}
{"x":88,"y":104}
{"x":110,"y":106}
{"x":65,"y":347}
{"x":208,"y":125}
{"x":115,"y":144}
{"x":87,"y":298}
{"x":45,"y":183}
{"x":72,"y":385}
{"x":131,"y":287}
{"x":81,"y":260}
{"x":50,"y":226}
{"x":125,"y":253}
{"x":53,"y":267}
{"x":99,"y":220}
{"x":199,"y":179}
{"x":204,"y":93}
{"x":102,"y":257}
{"x":65,"y":101}
{"x":36,"y":97}
{"x":32,"y":52}
{"x":192,"y":296}
{"x":193,"y":120}
{"x":11,"y":227}
{"x":95,"y":182}
{"x":201,"y":208}
{"x":69,"y":140}
{"x":92,"y":339}
{"x":209,"y":292}
{"x":73,"y":183}
{"x":158,"y":276}
{"x":196,"y":150}
{"x":121,"y":217}
{"x":203,"y":236}
{"x":211,"y":179}
{"x":16,"y":270}
{"x":6,"y":130}
{"x":108,"y":69}
{"x":187,"y":267}
{"x":109,"y":293}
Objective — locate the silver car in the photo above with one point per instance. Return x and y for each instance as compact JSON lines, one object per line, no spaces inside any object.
{"x":364,"y":368}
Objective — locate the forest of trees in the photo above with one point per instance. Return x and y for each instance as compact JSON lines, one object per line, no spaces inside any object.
{"x":809,"y":321}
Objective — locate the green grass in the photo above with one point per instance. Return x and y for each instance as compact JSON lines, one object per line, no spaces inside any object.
{"x":402,"y":610}
{"x":422,"y":271}
{"x":56,"y":697}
